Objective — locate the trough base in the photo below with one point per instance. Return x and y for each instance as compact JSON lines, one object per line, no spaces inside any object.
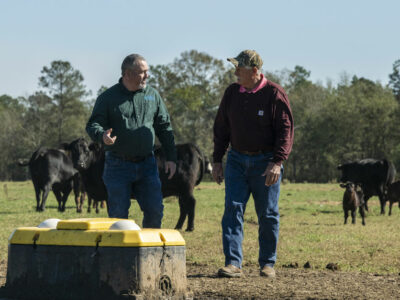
{"x":70,"y":272}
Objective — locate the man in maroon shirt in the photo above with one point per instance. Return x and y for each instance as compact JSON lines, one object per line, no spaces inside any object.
{"x":256,"y":120}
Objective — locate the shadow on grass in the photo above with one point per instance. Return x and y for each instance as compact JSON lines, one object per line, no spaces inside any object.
{"x":328,"y":224}
{"x":202,"y":276}
{"x":56,"y":207}
{"x":328,"y":211}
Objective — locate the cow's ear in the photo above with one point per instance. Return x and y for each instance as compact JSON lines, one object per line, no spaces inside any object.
{"x":342,"y":185}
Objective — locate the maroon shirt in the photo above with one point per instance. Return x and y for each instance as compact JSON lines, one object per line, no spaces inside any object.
{"x":254,"y":121}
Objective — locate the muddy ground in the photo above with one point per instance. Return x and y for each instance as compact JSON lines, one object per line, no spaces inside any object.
{"x":290,"y":283}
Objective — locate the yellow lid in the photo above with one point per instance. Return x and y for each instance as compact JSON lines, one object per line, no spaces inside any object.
{"x":171,"y":237}
{"x":64,"y":235}
{"x":87,"y":223}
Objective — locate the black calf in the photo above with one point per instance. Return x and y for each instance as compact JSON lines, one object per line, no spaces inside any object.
{"x":352,"y":199}
{"x":393,"y":195}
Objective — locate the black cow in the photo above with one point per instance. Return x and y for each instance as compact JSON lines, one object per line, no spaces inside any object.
{"x":393,"y":195}
{"x":89,"y":160}
{"x":190,"y":168}
{"x":352,"y":199}
{"x":52,"y":169}
{"x":372,"y":175}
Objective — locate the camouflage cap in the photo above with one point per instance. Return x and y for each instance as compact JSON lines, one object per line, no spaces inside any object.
{"x":247,"y":58}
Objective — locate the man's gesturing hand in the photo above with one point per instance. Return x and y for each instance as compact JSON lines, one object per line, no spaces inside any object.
{"x":107,"y":139}
{"x":218,"y":172}
{"x":272,"y":174}
{"x":170,"y":167}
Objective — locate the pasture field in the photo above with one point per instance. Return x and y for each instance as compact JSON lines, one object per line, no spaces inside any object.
{"x":311,"y":231}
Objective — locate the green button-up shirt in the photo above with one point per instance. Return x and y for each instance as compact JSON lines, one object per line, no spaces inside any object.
{"x":135,"y":118}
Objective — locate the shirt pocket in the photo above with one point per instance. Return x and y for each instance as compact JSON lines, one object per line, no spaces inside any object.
{"x":125,"y":110}
{"x":262,"y":117}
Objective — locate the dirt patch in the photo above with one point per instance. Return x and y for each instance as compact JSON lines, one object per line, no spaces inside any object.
{"x":290,"y":283}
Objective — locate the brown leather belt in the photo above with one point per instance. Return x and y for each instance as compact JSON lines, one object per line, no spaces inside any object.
{"x":129,"y":158}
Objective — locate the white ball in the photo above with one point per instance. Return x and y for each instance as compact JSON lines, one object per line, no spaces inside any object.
{"x":49,"y":223}
{"x":125,"y":225}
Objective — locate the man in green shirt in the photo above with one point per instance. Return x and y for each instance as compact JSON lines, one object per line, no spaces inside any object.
{"x":126,"y":118}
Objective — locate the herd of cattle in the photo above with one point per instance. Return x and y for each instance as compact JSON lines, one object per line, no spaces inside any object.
{"x":364,"y":179}
{"x":79,"y":165}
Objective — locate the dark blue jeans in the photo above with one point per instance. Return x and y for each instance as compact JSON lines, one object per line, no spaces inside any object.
{"x":123,"y":179}
{"x":242,"y":177}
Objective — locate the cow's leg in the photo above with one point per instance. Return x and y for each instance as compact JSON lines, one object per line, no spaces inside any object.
{"x":182,"y":212}
{"x":37,"y":193}
{"x":382,"y":199}
{"x":346,"y":215}
{"x":366,"y":203}
{"x":83,"y":196}
{"x":77,"y":193}
{"x":353,"y":216}
{"x":97,"y":207}
{"x":362,"y":213}
{"x":390,"y":207}
{"x":89,"y":204}
{"x":58,"y":195}
{"x":191,"y":205}
{"x":45,"y":193}
{"x":383,"y":204}
{"x":77,"y":200}
{"x":64,"y":199}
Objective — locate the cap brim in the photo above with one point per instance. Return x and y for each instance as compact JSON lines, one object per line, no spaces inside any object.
{"x":233,"y":61}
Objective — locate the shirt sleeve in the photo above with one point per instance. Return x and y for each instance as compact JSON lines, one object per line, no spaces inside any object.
{"x":163,"y":130}
{"x":221,"y":130}
{"x":98,"y":121}
{"x":283,"y":129}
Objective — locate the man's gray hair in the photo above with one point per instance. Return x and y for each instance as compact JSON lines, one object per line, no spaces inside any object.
{"x":130,"y":61}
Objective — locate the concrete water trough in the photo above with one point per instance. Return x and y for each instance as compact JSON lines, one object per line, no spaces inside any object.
{"x":96,"y":259}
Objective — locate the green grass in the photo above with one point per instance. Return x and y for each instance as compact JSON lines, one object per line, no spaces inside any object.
{"x":311,"y":227}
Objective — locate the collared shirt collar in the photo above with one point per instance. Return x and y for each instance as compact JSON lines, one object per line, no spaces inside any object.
{"x":125,"y":90}
{"x":258,"y":87}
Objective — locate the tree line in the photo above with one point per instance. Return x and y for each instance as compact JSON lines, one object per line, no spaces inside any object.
{"x":354,"y":119}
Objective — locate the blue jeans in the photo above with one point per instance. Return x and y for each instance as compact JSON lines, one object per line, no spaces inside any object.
{"x":124,"y":179}
{"x":242,"y":177}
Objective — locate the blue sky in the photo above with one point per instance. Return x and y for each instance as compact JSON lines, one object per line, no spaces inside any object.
{"x":326,"y":37}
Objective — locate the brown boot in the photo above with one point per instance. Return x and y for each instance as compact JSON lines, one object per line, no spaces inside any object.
{"x":267,"y":271}
{"x":230,"y":271}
